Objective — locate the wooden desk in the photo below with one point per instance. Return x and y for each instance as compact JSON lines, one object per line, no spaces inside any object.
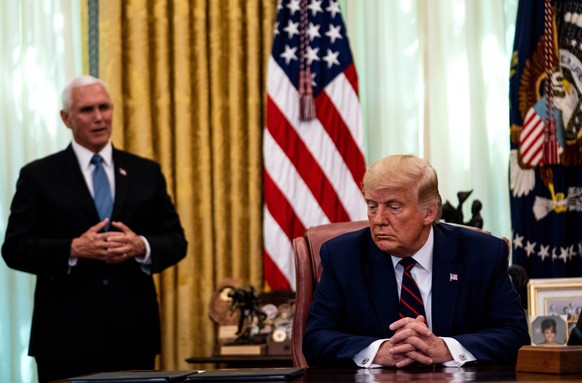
{"x":241,"y":361}
{"x":431,"y":374}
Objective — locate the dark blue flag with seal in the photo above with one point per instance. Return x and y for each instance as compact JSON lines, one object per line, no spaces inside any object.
{"x":545,"y":118}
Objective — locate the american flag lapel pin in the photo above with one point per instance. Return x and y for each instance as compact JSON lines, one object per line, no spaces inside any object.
{"x":122,"y":171}
{"x":453,"y":277}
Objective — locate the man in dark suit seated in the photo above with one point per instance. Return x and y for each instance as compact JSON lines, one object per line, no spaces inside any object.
{"x":459,"y":304}
{"x":93,"y":223}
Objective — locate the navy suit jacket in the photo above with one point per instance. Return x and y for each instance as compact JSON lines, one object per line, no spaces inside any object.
{"x":357,"y":297}
{"x":78,"y":309}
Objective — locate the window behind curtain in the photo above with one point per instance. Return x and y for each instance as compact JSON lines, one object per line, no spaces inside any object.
{"x":40,"y":46}
{"x":434,"y":81}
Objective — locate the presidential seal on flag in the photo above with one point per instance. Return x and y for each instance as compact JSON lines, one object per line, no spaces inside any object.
{"x":546,"y":138}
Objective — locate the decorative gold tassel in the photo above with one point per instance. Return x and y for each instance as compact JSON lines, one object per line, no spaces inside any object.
{"x":306,"y":101}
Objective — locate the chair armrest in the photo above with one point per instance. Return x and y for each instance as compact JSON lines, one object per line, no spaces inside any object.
{"x":303,"y":297}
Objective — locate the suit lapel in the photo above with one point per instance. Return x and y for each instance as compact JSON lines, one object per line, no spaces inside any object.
{"x":75,"y":180}
{"x":121,"y":175}
{"x":382,"y":287}
{"x":446,"y":282}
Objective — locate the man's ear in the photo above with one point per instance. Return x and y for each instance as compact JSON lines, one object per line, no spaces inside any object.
{"x":430,"y":214}
{"x":65,"y":118}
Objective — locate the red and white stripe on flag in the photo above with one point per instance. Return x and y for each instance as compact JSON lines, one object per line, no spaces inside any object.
{"x":312,"y":169}
{"x":531,"y":140}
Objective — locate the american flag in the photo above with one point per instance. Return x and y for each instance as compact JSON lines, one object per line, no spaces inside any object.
{"x":313,"y":168}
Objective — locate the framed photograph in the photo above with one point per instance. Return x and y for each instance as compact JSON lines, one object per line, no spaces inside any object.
{"x":555,"y":297}
{"x":549,"y":330}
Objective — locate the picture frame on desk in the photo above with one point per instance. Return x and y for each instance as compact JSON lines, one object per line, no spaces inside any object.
{"x":555,"y":296}
{"x":561,"y":297}
{"x":549,"y":330}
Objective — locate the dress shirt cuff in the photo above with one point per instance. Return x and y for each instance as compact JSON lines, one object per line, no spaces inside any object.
{"x":365,"y":357}
{"x":72,"y":263}
{"x":146,"y":260}
{"x":460,"y":354}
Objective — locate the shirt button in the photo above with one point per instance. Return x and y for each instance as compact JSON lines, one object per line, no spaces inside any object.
{"x":365,"y":361}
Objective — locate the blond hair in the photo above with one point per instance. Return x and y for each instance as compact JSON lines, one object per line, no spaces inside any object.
{"x":405,"y":173}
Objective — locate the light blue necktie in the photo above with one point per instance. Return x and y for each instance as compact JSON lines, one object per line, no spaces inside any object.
{"x":101,"y":190}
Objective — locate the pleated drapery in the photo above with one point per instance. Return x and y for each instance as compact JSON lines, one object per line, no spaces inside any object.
{"x":187,"y":83}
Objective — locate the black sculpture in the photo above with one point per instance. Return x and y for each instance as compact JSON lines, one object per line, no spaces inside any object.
{"x":476,"y":219}
{"x":455,"y":215}
{"x":246,"y":301}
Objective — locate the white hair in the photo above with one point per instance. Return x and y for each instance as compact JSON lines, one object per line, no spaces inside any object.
{"x":76,"y":83}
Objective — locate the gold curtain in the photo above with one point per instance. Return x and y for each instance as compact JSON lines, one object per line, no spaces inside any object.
{"x":187,"y":79}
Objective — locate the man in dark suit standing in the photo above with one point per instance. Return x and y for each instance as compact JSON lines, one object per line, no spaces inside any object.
{"x":458,"y":304}
{"x":95,"y":303}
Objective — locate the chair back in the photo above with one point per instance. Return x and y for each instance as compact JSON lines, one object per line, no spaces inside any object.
{"x":307,"y":274}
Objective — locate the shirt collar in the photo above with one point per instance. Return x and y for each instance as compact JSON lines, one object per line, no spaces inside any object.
{"x":84,"y":155}
{"x":424,"y":255}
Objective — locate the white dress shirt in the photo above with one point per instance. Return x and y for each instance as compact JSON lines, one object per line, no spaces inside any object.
{"x":422,"y":274}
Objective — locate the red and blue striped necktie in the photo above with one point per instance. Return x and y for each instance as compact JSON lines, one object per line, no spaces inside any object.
{"x":411,"y":304}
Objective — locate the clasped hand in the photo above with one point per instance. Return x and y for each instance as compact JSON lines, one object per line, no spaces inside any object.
{"x":110,"y":246}
{"x":412,"y":342}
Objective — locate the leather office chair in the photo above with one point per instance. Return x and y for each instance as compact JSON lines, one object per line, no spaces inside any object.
{"x":307,"y":274}
{"x":308,"y":271}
